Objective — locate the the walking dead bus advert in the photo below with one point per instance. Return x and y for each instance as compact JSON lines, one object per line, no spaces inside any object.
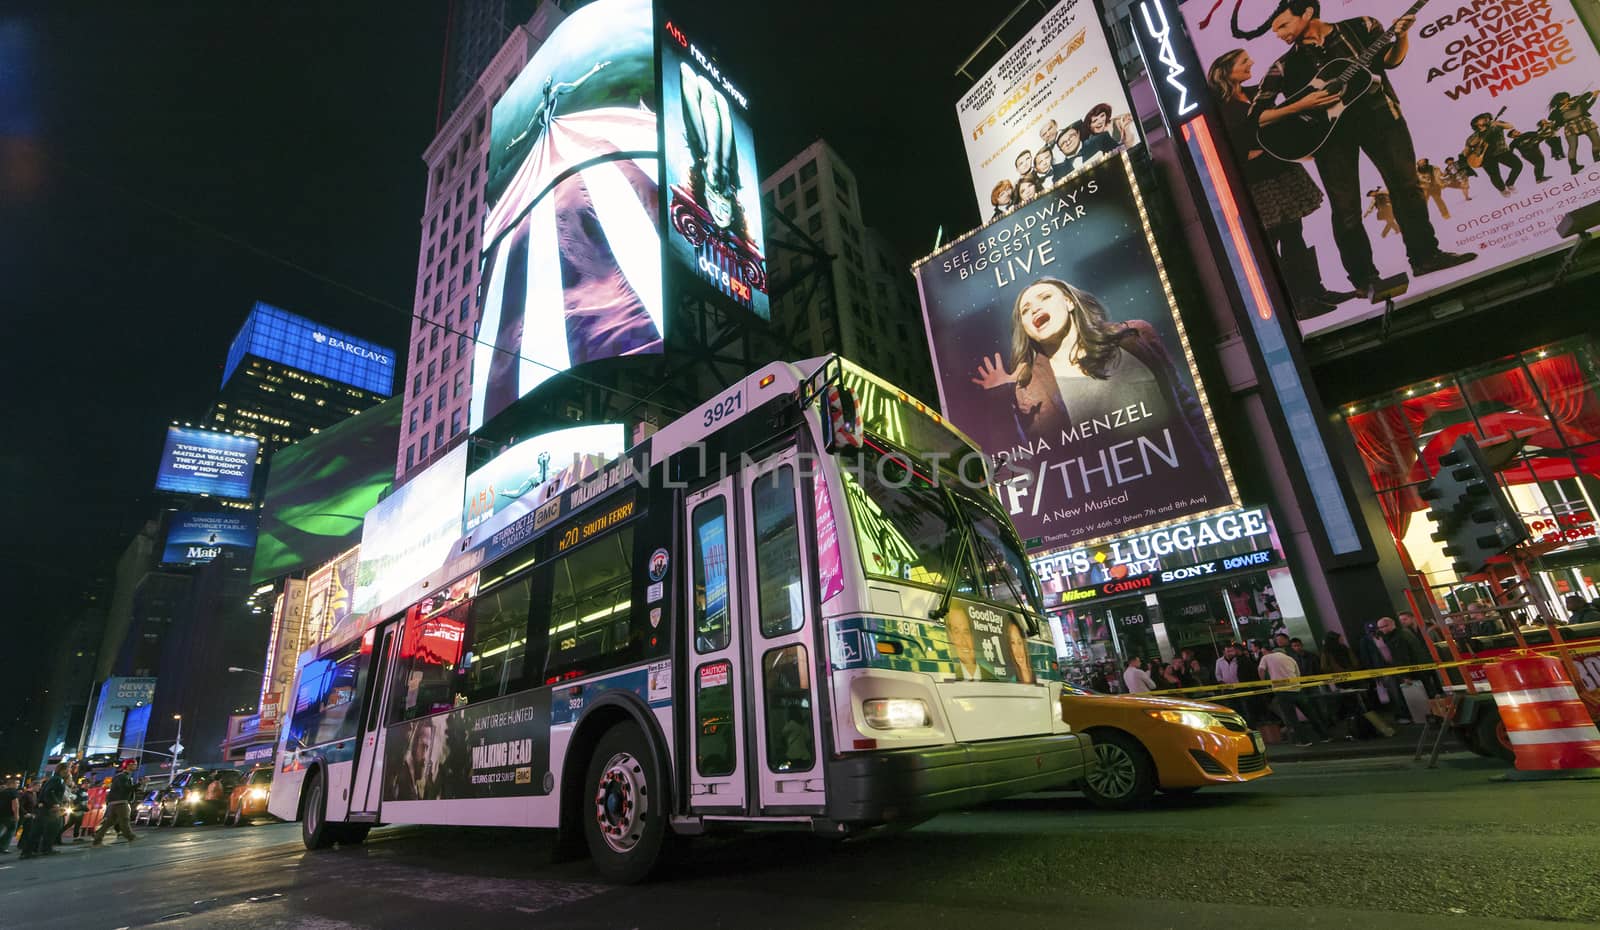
{"x":1058,"y":349}
{"x":491,"y":750}
{"x":1397,"y":147}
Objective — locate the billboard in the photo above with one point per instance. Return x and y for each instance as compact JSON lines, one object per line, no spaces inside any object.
{"x":571,"y":238}
{"x":320,"y":489}
{"x":533,"y":471}
{"x":319,"y":584}
{"x":199,"y":461}
{"x":118,"y":696}
{"x":1452,"y":153}
{"x":197,"y":538}
{"x":1058,"y":348}
{"x":290,"y":339}
{"x":714,"y":189}
{"x":1052,"y":103}
{"x":410,"y":533}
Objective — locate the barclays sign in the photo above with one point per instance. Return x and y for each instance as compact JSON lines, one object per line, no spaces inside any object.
{"x":334,"y":342}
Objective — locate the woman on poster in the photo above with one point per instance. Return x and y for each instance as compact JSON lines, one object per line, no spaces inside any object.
{"x":1283,"y":191}
{"x":1070,"y":364}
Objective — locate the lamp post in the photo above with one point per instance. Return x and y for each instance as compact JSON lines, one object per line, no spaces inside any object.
{"x":177,"y":744}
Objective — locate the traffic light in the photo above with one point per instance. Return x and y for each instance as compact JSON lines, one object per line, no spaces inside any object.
{"x":1475,"y":520}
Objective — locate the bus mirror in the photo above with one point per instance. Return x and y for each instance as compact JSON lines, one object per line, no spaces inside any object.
{"x":842,"y":426}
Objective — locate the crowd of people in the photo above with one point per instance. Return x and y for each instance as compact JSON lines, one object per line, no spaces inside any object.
{"x":38,"y":813}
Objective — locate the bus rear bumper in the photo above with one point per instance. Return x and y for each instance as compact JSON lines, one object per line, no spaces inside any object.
{"x":901,"y":784}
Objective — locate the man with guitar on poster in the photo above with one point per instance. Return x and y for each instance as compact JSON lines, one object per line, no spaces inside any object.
{"x":1318,"y":78}
{"x":1489,"y":148}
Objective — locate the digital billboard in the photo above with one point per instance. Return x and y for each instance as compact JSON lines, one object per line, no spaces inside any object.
{"x":1053,"y":102}
{"x":529,"y":473}
{"x":714,"y":189}
{"x":198,"y":538}
{"x":199,"y":461}
{"x":118,"y":696}
{"x":410,"y":532}
{"x":1459,"y":137}
{"x":571,"y":238}
{"x":290,"y":339}
{"x":320,"y":489}
{"x":1058,"y":348}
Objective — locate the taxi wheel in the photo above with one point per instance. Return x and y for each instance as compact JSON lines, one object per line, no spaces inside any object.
{"x":1125,"y":777}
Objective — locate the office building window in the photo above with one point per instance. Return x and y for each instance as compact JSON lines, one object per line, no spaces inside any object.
{"x":422,"y":447}
{"x":411,"y":457}
{"x":427,"y":409}
{"x":808,"y":170}
{"x":416,"y":384}
{"x":433,"y":339}
{"x":413,"y":430}
{"x":786,"y":186}
{"x":455,"y":422}
{"x":811,"y":197}
{"x":438,"y":433}
{"x":461,"y":316}
{"x":419,"y":350}
{"x":433,"y":369}
{"x":444,"y":395}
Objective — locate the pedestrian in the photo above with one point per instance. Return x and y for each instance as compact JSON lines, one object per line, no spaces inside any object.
{"x":1170,"y":676}
{"x":1279,"y":665}
{"x":1336,"y":656}
{"x":1136,"y":678}
{"x":1303,"y":657}
{"x":1197,"y":674}
{"x":77,"y":806}
{"x":40,"y":839}
{"x":1226,"y":671}
{"x":1414,"y":650}
{"x":119,"y":801}
{"x":10,"y":813}
{"x":1580,"y":610}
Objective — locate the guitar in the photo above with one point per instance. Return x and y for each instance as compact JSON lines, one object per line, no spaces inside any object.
{"x":1300,"y":135}
{"x":1478,"y":144}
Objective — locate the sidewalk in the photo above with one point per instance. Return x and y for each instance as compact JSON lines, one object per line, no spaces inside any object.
{"x":1402,"y":743}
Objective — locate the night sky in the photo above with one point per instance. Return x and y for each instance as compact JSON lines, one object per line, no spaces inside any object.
{"x":162,"y":166}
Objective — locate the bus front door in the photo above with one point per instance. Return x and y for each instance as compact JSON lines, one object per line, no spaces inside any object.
{"x":714,"y":647}
{"x":367,"y":778}
{"x":776,"y":566}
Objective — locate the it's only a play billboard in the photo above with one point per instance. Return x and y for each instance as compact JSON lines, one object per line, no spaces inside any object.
{"x":1058,"y":349}
{"x":1453,"y":137}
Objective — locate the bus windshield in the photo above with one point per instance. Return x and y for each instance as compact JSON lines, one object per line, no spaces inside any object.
{"x":910,"y":521}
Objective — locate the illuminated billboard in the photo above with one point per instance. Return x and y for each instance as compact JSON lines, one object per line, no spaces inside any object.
{"x":714,"y":189}
{"x":1052,"y":103}
{"x":410,"y":532}
{"x":1058,"y":348}
{"x":571,"y":238}
{"x":198,"y":538}
{"x":320,"y":489}
{"x":533,"y":471}
{"x":198,"y":461}
{"x":290,"y":339}
{"x":1462,"y":135}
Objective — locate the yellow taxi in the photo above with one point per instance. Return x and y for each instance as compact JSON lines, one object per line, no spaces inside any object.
{"x":1145,"y":743}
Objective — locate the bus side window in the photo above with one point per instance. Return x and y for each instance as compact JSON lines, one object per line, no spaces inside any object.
{"x":710,"y":540}
{"x":593,"y":626}
{"x":498,"y":628}
{"x":431,"y":648}
{"x":325,"y":705}
{"x":778,"y":583}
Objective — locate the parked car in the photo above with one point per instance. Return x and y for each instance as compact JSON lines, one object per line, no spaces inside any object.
{"x":147,"y":799}
{"x":1149,"y":743}
{"x":248,"y":801}
{"x":198,"y":796}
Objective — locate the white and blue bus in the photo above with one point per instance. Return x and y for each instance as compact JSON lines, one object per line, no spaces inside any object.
{"x":788,"y":608}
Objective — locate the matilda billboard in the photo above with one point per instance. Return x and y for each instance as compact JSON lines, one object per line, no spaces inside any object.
{"x":1397,"y":150}
{"x":1058,"y":349}
{"x":1052,"y":103}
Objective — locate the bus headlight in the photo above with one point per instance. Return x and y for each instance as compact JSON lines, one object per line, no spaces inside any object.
{"x":1187,"y":718}
{"x":895,"y":713}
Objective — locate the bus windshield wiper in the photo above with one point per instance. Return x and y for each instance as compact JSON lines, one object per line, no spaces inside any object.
{"x":938,"y":613}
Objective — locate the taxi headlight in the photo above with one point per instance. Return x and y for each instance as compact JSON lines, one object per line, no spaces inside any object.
{"x":193,"y":797}
{"x":258,"y":794}
{"x":895,"y":713}
{"x":1187,"y":718}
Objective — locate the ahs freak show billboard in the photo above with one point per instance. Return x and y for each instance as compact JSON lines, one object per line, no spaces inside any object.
{"x":1396,"y":148}
{"x":1057,"y":347}
{"x":497,"y":749}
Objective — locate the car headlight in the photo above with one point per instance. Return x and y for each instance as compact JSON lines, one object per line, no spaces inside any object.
{"x":194,"y":797}
{"x":1187,"y":718}
{"x":894,"y":713}
{"x":258,"y":794}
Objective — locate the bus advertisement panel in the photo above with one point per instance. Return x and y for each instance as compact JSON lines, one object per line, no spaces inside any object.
{"x":1053,"y":102}
{"x":571,"y":237}
{"x":1058,"y":348}
{"x":1453,"y":153}
{"x":496,"y":749}
{"x":533,"y":471}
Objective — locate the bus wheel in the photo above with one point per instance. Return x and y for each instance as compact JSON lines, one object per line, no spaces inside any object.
{"x":315,"y":831}
{"x":624,"y":813}
{"x":1491,"y":736}
{"x":1125,"y":777}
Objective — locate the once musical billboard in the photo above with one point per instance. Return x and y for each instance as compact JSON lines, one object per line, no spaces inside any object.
{"x":571,"y":238}
{"x":533,"y":471}
{"x":198,"y":538}
{"x":1396,"y":149}
{"x":1052,"y":103}
{"x":199,"y":461}
{"x":714,"y":189}
{"x":1058,"y":348}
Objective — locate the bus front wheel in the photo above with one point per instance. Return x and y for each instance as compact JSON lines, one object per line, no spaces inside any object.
{"x":315,"y":831}
{"x":624,"y":806}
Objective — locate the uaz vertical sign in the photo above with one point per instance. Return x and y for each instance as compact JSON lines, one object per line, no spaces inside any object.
{"x":1174,"y":71}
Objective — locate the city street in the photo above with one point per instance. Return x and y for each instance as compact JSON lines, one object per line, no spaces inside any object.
{"x":1350,"y":843}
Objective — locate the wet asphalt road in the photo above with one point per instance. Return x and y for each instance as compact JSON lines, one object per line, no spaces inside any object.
{"x":1362,"y":843}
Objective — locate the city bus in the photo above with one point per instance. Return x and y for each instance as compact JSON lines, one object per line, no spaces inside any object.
{"x":796,"y":606}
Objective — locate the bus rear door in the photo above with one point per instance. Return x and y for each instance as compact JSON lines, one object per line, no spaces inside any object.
{"x":368,"y":778}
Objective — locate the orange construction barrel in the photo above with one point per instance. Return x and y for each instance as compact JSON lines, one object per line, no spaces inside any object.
{"x":1546,"y":721}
